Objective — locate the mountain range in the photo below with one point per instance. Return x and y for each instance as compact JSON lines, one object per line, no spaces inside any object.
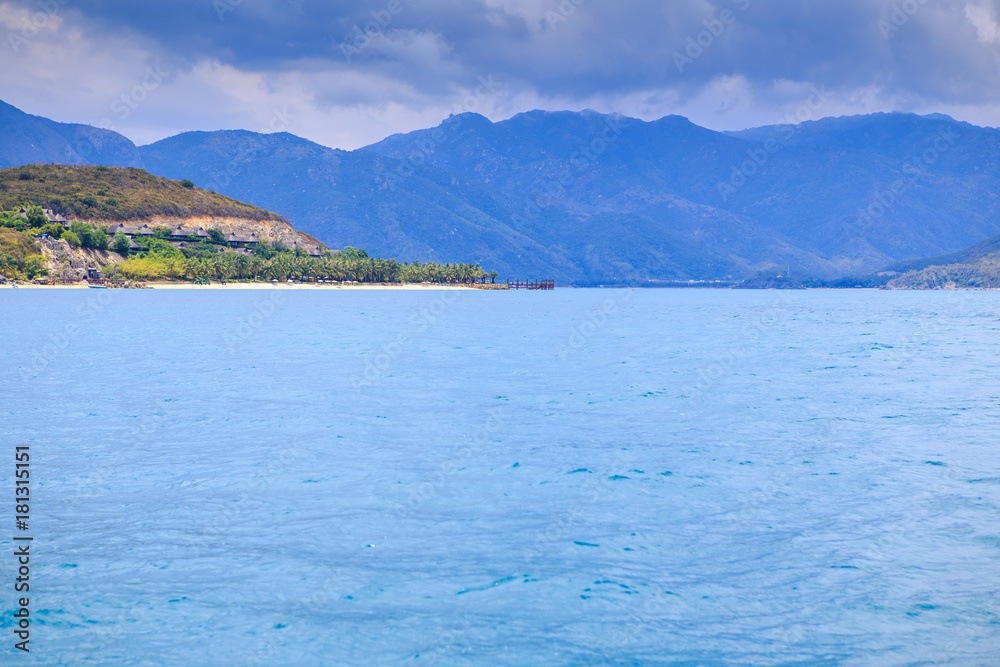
{"x":589,"y":198}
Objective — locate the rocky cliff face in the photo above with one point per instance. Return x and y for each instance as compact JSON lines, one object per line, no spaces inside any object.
{"x":69,"y":265}
{"x":269,"y":230}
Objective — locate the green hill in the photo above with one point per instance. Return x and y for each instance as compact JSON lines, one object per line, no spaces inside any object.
{"x":968,"y":256}
{"x":981,"y":274}
{"x":111,"y":194}
{"x":977,"y":267}
{"x":34,"y":245}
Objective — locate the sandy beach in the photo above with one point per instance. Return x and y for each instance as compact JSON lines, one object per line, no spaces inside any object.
{"x":302,"y":286}
{"x":257,"y":286}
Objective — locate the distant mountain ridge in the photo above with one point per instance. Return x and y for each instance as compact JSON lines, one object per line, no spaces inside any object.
{"x":26,"y":139}
{"x":593,"y":198}
{"x":840,"y":195}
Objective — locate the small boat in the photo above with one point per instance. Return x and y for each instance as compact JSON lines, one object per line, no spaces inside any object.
{"x":98,"y":286}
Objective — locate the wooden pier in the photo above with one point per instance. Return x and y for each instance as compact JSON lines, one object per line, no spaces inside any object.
{"x":531,"y":284}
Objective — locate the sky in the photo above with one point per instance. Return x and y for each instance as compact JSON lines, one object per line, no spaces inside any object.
{"x":348,"y":73}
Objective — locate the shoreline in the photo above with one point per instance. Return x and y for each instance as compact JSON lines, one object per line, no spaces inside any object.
{"x":260,"y":286}
{"x":433,"y":288}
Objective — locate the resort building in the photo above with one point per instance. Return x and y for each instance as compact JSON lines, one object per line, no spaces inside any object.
{"x":181,"y":235}
{"x":50,"y":215}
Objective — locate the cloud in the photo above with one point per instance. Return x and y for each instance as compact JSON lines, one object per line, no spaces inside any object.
{"x":983,"y":19}
{"x":356,"y":71}
{"x":24,"y":22}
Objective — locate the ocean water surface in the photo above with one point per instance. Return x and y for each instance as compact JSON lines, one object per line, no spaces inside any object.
{"x":626,"y":477}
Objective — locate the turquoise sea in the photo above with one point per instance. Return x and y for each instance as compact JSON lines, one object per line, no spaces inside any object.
{"x":578,"y":477}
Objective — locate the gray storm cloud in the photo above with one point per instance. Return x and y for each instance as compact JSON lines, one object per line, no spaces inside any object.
{"x":357,"y":70}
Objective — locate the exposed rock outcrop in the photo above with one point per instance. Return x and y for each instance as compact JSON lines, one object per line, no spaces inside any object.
{"x":69,"y":265}
{"x":269,"y":230}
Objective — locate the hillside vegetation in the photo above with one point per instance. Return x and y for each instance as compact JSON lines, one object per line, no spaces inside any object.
{"x":20,"y":255}
{"x":982,"y":273}
{"x":160,"y":261}
{"x":32,"y":247}
{"x":111,"y":194}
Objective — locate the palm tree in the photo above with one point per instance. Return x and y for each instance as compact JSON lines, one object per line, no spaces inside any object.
{"x":173,"y":266}
{"x":283,"y":265}
{"x":229,"y":268}
{"x":268,"y":269}
{"x":257,"y":266}
{"x":9,"y":266}
{"x":337,"y":270}
{"x":242,"y":266}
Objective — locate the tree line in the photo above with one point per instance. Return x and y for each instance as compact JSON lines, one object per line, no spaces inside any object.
{"x":155,"y":258}
{"x":348,"y":265}
{"x":211,"y":259}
